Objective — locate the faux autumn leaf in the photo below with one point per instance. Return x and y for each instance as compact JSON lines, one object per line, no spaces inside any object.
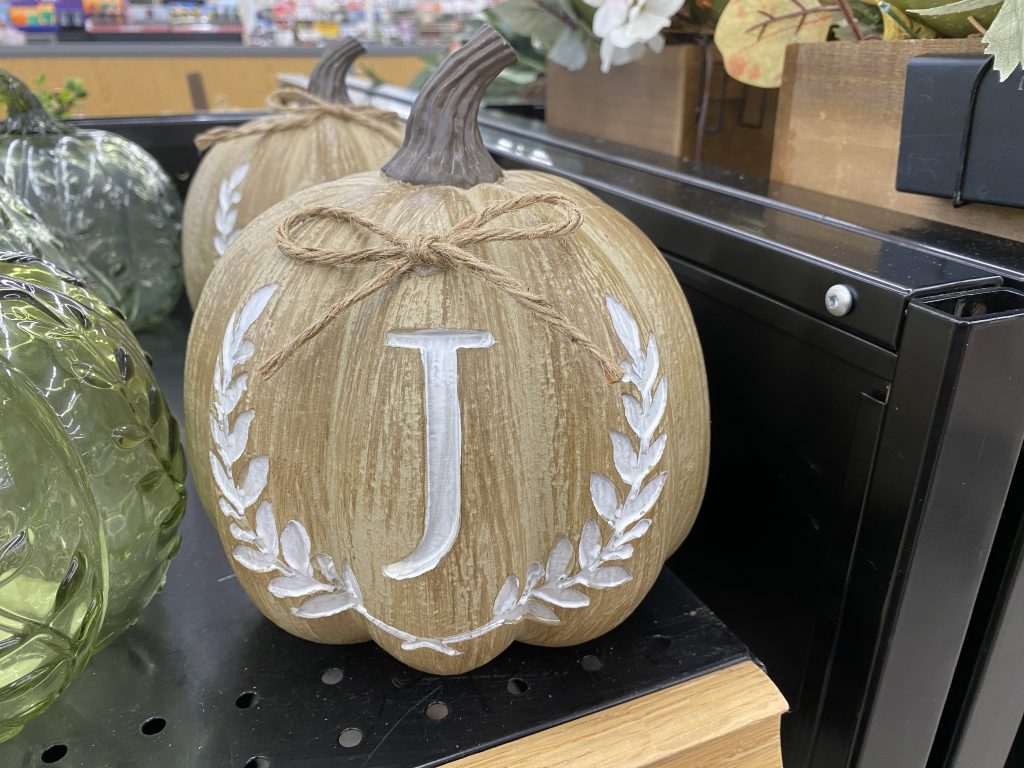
{"x":752,"y":36}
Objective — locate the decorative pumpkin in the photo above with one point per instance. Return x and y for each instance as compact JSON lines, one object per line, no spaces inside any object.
{"x":82,"y":359}
{"x":395,"y":381}
{"x":104,"y":198}
{"x":312,"y":138}
{"x":53,"y":581}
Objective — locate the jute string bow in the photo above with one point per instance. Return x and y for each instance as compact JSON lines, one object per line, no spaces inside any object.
{"x":401,"y":255}
{"x":295,"y":108}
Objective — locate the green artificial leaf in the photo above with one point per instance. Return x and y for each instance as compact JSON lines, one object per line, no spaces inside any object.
{"x":530,"y":19}
{"x":570,"y":50}
{"x":963,"y":6}
{"x":1005,"y":38}
{"x":752,"y":36}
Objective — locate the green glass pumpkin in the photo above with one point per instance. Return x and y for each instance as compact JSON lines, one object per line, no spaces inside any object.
{"x":106,"y":200}
{"x":80,"y":356}
{"x":53,"y":567}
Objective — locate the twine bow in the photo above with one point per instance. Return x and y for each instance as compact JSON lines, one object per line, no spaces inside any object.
{"x":401,"y":255}
{"x":295,"y":108}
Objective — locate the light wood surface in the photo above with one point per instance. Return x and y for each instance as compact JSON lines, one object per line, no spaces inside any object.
{"x":154,"y":86}
{"x":838,"y":129}
{"x":653,"y":103}
{"x":725,"y":719}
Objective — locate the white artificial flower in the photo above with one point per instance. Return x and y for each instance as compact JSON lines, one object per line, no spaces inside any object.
{"x":629,"y":27}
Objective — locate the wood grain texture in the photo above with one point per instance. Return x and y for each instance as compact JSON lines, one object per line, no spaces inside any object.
{"x":838,"y":129}
{"x":343,"y":421}
{"x":279,"y":164}
{"x":654,"y":104}
{"x":725,"y":719}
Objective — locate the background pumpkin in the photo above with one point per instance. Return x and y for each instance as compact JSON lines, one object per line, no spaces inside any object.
{"x":53,"y":576}
{"x":317,"y":471}
{"x":80,"y":356}
{"x":106,"y":200}
{"x":239,"y":178}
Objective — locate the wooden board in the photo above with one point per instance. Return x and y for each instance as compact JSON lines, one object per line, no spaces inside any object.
{"x":838,"y":129}
{"x":140,"y":85}
{"x":725,"y":719}
{"x":654,"y":104}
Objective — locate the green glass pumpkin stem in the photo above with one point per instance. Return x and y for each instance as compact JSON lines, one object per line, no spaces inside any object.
{"x":443,"y":146}
{"x":328,"y":78}
{"x":25,"y":113}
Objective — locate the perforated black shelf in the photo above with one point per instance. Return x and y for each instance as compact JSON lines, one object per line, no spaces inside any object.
{"x":204,"y":681}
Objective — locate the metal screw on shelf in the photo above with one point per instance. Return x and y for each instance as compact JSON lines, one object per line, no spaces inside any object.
{"x":839,"y":300}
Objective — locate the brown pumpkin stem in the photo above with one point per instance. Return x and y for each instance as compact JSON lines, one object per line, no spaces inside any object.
{"x":327,"y":81}
{"x":442,"y":144}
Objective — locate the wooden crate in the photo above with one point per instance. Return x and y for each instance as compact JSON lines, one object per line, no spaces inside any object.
{"x":653,"y":104}
{"x":838,"y":129}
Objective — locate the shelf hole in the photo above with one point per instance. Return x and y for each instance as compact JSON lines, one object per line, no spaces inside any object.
{"x":350,"y":737}
{"x":659,"y":642}
{"x":591,"y":663}
{"x":247,"y":699}
{"x":54,"y":753}
{"x":153,"y":726}
{"x":517,"y":686}
{"x":437,"y":711}
{"x":259,"y":761}
{"x":332,"y":676}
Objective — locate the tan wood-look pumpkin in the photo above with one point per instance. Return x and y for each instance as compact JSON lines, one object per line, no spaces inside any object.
{"x":440,"y":470}
{"x":240,"y":177}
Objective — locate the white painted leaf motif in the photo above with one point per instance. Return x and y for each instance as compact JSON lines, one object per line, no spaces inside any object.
{"x":636,"y":531}
{"x":534,"y":574}
{"x":266,"y":530}
{"x":657,"y":409}
{"x":230,"y":510}
{"x":559,"y":560}
{"x":636,"y":508}
{"x":322,"y":606}
{"x":295,"y":547}
{"x":652,"y":455}
{"x":226,"y":216}
{"x":564,"y":597}
{"x":590,"y":544}
{"x":623,"y":552}
{"x":625,"y":458}
{"x":625,"y":327}
{"x":255,"y":479}
{"x":233,"y":393}
{"x":234,"y":443}
{"x":607,"y":577}
{"x":326,"y":565}
{"x":652,"y":362}
{"x":537,"y":611}
{"x":298,"y":585}
{"x":507,"y":596}
{"x":252,"y":310}
{"x":241,"y":534}
{"x":634,"y":410}
{"x":604,"y":496}
{"x":223,"y":481}
{"x":254,"y":560}
{"x":350,"y":582}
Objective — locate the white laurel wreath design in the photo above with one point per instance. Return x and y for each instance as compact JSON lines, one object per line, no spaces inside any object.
{"x":264,"y":548}
{"x":226,"y":216}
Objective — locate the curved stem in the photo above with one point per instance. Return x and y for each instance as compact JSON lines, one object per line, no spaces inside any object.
{"x":328,"y":79}
{"x":442,"y":138}
{"x":24,"y":112}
